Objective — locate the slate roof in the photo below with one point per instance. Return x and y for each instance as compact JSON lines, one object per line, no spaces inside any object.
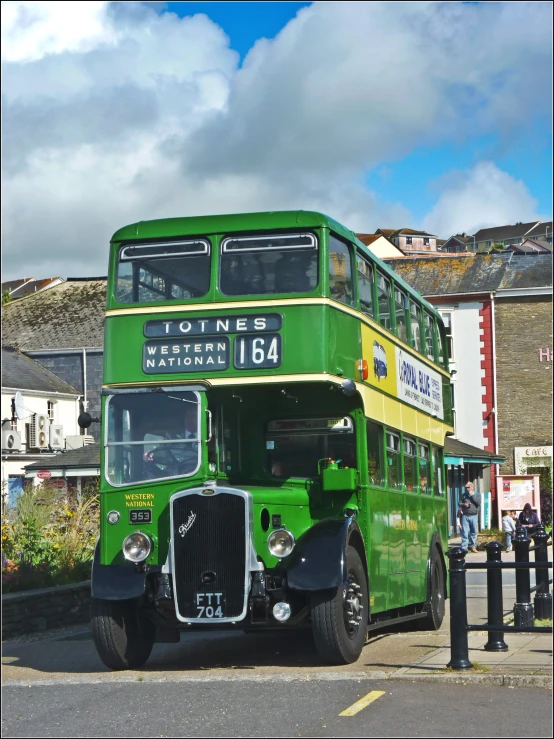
{"x":22,"y":373}
{"x":456,"y":448}
{"x":540,"y":242}
{"x":469,"y":273}
{"x":66,"y":316}
{"x":500,"y":233}
{"x":86,"y":456}
{"x":411,"y":232}
{"x":540,"y":229}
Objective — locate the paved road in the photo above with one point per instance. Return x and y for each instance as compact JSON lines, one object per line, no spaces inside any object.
{"x":298,"y":708}
{"x":232,"y":684}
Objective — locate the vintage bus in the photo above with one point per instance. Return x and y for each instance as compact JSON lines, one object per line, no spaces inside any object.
{"x":255,"y":473}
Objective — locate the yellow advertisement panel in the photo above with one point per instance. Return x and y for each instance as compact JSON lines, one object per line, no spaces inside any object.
{"x":379,"y":355}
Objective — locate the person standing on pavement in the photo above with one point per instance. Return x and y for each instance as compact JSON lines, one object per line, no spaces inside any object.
{"x":469,"y":504}
{"x":509,"y":526}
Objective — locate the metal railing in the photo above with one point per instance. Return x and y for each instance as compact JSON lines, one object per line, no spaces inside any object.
{"x":524,"y":613}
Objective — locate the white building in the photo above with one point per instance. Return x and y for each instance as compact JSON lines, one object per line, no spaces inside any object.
{"x":39,"y":418}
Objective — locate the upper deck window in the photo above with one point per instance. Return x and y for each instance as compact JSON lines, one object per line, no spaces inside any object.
{"x":176,"y":270}
{"x":267,"y":265}
{"x":384,"y":300}
{"x":340,"y":271}
{"x":365,"y":285}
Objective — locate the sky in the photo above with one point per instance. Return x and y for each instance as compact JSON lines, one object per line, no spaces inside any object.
{"x":432,"y":115}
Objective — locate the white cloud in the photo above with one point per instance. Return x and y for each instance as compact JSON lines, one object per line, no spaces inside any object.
{"x":114,"y":113}
{"x":482,"y":197}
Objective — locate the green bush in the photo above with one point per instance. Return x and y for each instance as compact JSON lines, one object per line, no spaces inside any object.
{"x":48,"y":538}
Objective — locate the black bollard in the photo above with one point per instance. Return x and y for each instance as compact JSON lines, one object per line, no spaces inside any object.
{"x":495,"y":610}
{"x":523,"y":608}
{"x":543,"y":597}
{"x":459,"y":651}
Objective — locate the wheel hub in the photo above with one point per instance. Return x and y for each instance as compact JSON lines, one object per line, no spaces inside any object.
{"x":352,"y":606}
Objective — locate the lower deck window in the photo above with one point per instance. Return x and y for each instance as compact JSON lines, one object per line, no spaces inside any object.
{"x":394,"y":461}
{"x":295,"y":447}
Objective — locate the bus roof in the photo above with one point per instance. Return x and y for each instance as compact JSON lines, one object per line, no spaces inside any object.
{"x":240,"y":222}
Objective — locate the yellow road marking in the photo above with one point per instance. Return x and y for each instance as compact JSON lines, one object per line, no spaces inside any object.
{"x":362,"y":703}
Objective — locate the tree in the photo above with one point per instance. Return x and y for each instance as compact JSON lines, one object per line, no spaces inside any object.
{"x":6,"y":297}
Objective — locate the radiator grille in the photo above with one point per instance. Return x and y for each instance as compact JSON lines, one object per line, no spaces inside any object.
{"x":215,"y":542}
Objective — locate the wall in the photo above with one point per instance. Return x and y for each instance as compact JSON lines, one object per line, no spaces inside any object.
{"x":468,"y":380}
{"x":47,"y":608}
{"x":524,"y":384}
{"x":69,"y":367}
{"x":417,"y":243}
{"x":66,"y":411}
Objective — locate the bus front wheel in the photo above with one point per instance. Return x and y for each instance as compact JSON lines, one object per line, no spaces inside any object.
{"x":339,"y":617}
{"x":122,"y":636}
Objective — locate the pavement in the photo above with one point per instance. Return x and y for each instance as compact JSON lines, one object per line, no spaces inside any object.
{"x":402,"y":653}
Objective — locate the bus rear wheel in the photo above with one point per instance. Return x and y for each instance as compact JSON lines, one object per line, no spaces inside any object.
{"x":436,"y":605}
{"x":123,"y":637}
{"x":339,"y":617}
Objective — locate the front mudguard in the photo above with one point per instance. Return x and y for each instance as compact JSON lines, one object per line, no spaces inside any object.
{"x":115,"y":582}
{"x":318,"y":561}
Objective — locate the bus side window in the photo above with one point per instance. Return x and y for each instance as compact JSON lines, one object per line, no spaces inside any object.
{"x":384,"y":300}
{"x":340,"y":271}
{"x":375,"y":454}
{"x":415,"y":328}
{"x":365,"y":285}
{"x":394,"y":461}
{"x":441,"y":344}
{"x":424,"y":482}
{"x":401,"y":305}
{"x":410,"y":465}
{"x":438,"y":487}
{"x":428,"y":322}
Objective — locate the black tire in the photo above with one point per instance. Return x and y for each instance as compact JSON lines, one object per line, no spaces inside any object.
{"x":338,"y":641}
{"x":123,"y":638}
{"x":437,"y":602}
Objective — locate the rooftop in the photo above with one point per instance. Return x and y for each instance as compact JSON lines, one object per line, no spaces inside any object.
{"x":86,"y":456}
{"x":468,"y":273}
{"x":22,"y":373}
{"x":499,"y":233}
{"x":66,"y":316}
{"x":455,"y":448}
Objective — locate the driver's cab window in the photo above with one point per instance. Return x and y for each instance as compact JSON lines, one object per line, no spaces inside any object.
{"x":152,"y":436}
{"x":295,"y":447}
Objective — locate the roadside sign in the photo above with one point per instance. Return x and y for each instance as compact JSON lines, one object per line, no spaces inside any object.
{"x":44,"y":474}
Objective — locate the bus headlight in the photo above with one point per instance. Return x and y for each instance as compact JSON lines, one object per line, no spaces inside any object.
{"x":280,"y":543}
{"x":136,"y":547}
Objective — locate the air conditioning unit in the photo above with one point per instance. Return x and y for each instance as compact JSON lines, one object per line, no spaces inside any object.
{"x":11,"y":441}
{"x":88,"y":439}
{"x":75,"y":441}
{"x":56,"y":437}
{"x":39,"y":435}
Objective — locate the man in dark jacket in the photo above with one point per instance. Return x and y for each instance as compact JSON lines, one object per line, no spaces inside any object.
{"x":528,"y":518}
{"x":469,"y":508}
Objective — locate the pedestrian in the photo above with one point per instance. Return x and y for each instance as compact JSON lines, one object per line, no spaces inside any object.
{"x":509,"y":526}
{"x":528,"y":518}
{"x":469,"y":504}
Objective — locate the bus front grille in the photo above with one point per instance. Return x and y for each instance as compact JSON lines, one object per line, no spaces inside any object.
{"x":209,"y":556}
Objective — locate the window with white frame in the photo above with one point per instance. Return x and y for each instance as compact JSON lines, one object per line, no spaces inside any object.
{"x":51,"y":410}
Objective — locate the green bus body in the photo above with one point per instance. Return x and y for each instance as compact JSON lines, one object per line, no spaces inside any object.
{"x":335,"y":361}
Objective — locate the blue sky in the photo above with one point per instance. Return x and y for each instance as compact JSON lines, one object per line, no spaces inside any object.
{"x":433,"y":115}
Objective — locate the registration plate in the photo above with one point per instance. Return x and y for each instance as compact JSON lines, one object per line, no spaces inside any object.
{"x":142,"y":515}
{"x":209,"y":605}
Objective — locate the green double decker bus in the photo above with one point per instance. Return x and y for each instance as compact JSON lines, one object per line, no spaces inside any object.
{"x":275,"y":405}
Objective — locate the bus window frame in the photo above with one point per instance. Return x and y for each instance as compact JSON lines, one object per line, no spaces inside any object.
{"x":316,"y":246}
{"x":363,"y":258}
{"x":414,"y":303}
{"x":425,"y":445}
{"x":353,"y":270}
{"x":120,"y":258}
{"x":388,"y":280}
{"x":411,"y":440}
{"x":107,"y":443}
{"x":431,"y":317}
{"x":406,"y":312}
{"x":399,"y":452}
